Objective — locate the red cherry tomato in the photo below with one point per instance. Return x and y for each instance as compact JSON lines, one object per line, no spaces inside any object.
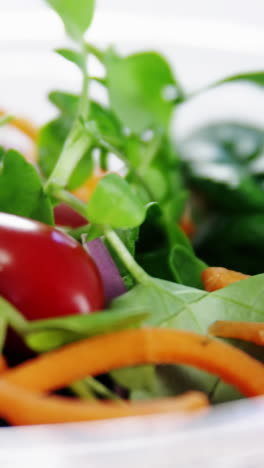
{"x":45,"y":273}
{"x":66,"y":216}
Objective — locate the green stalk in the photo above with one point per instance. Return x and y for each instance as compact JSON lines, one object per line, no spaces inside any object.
{"x":76,"y":144}
{"x":136,"y":271}
{"x":66,"y":197}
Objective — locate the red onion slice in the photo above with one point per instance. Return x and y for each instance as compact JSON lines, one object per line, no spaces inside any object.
{"x":112,"y":281}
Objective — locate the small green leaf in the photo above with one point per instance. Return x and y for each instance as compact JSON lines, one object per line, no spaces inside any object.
{"x":12,"y":317}
{"x":255,"y":78}
{"x":5,"y":119}
{"x":114,"y":204}
{"x":47,"y":340}
{"x":67,"y":103}
{"x":73,"y":56}
{"x":187,"y":268}
{"x":76,"y":15}
{"x":21,"y":190}
{"x":93,"y":232}
{"x":137,"y":87}
{"x":82,"y":171}
{"x":45,"y":335}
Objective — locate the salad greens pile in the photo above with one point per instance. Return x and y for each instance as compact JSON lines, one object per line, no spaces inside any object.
{"x":217,"y":173}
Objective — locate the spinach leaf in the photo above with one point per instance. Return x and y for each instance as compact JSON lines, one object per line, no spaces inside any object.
{"x":76,"y":16}
{"x":45,"y":335}
{"x":21,"y":191}
{"x":137,"y":87}
{"x":186,"y":266}
{"x":182,"y":307}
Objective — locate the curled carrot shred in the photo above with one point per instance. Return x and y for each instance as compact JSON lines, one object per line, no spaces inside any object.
{"x":85,"y":191}
{"x":247,"y":331}
{"x":104,"y":353}
{"x":21,"y":407}
{"x":214,"y":278}
{"x":24,"y":125}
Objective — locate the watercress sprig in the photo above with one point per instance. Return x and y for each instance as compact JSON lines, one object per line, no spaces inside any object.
{"x":76,"y":19}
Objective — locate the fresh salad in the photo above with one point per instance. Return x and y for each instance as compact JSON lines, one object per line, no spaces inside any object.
{"x":137,"y":291}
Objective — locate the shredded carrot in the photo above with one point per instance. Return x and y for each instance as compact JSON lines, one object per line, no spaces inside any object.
{"x":104,"y":353}
{"x":247,"y":331}
{"x":85,"y":191}
{"x":3,"y":364}
{"x":21,"y":407}
{"x":215,"y":278}
{"x":24,"y":125}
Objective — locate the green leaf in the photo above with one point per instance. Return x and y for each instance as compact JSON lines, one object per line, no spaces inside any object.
{"x":129,"y":237}
{"x":45,"y":335}
{"x":12,"y":317}
{"x":114,"y":204}
{"x":82,"y":171}
{"x":181,"y":307}
{"x":255,"y":78}
{"x":50,"y":143}
{"x":21,"y":191}
{"x":137,"y":87}
{"x":140,"y":378}
{"x":187,"y":268}
{"x":67,"y":103}
{"x":5,"y":119}
{"x":72,"y":56}
{"x":225,"y":163}
{"x":76,"y":16}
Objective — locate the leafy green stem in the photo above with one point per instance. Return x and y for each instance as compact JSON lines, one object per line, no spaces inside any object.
{"x":77,"y":232}
{"x":95,"y":51}
{"x":112,"y":149}
{"x":77,"y":142}
{"x":136,"y":271}
{"x":12,"y":317}
{"x":66,"y":197}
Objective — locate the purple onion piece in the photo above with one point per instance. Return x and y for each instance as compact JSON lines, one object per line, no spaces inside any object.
{"x":112,"y":281}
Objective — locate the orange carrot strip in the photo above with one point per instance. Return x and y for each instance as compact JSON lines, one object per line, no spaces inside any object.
{"x":85,"y":191}
{"x":104,"y":353}
{"x":22,"y":407}
{"x":24,"y":125}
{"x":247,"y":331}
{"x":3,"y":364}
{"x":215,"y":278}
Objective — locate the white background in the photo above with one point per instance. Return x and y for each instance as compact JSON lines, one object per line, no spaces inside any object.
{"x":203,"y":39}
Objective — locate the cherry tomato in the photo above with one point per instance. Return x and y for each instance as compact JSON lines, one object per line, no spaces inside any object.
{"x":45,"y":273}
{"x":66,"y":216}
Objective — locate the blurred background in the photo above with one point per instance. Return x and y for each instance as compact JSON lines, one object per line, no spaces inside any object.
{"x":204,"y":40}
